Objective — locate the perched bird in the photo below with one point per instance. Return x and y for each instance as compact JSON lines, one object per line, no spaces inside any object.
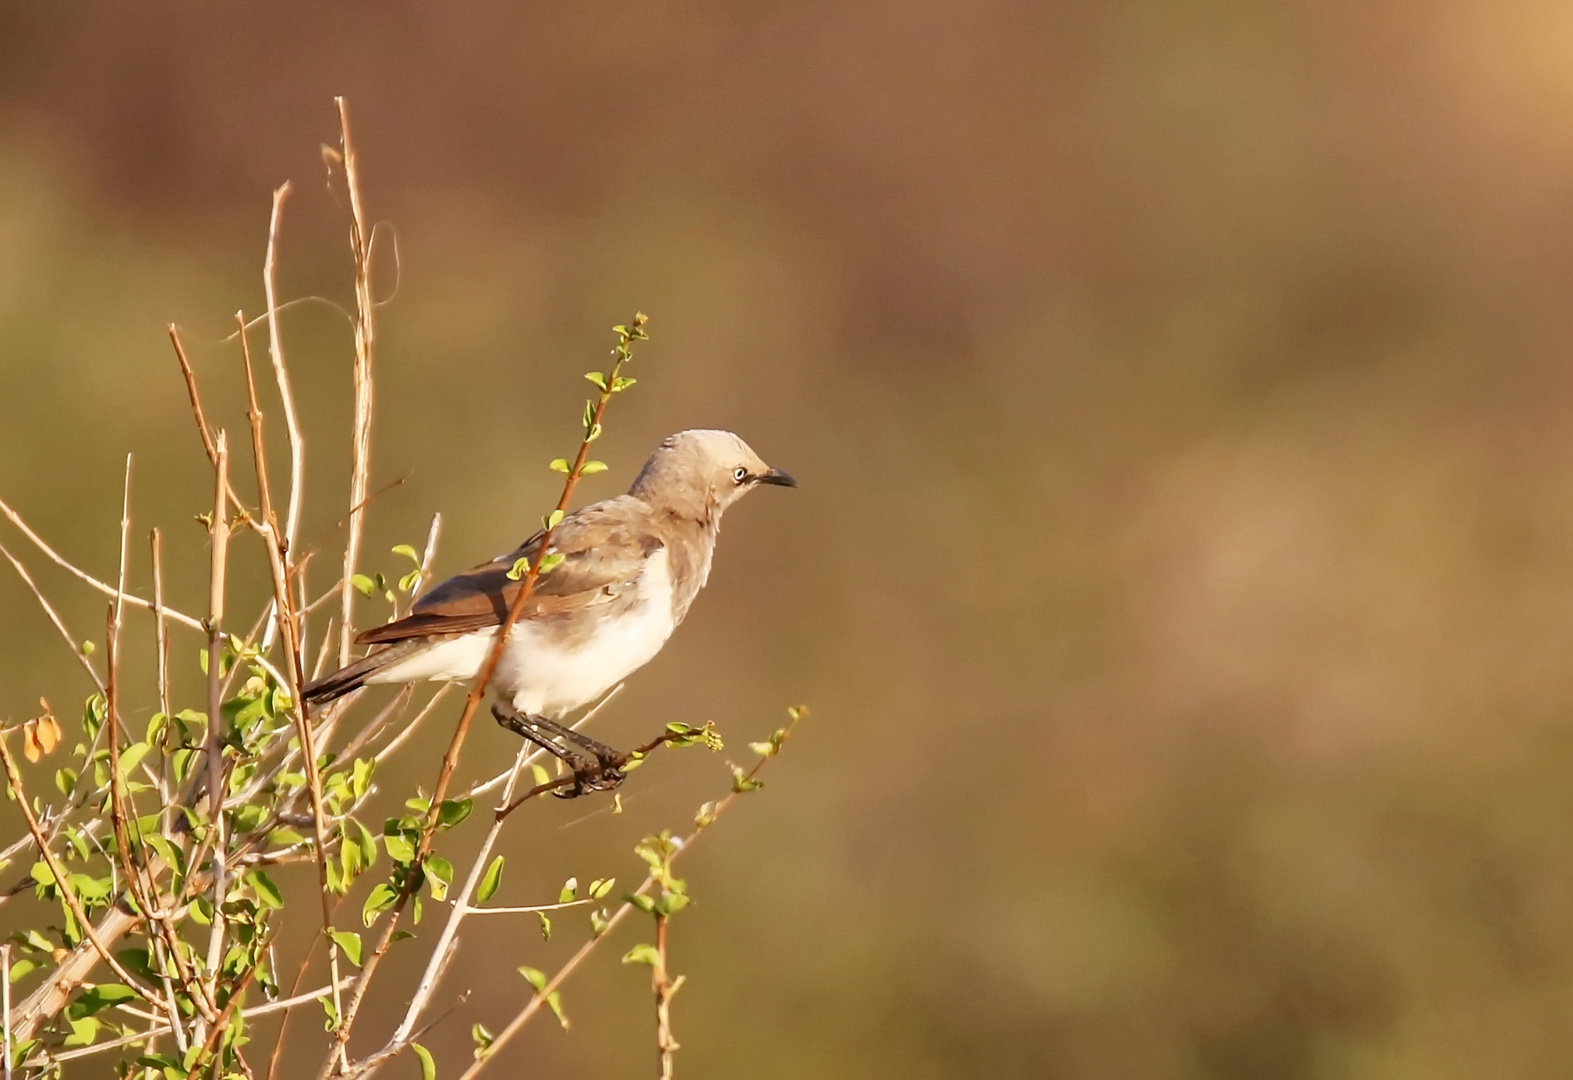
{"x":631,"y":567}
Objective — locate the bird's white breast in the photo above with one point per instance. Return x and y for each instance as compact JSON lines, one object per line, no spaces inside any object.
{"x":547,"y":673}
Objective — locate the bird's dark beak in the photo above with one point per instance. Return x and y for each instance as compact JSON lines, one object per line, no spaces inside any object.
{"x":777,"y":477}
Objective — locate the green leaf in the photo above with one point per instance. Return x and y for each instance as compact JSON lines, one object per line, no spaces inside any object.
{"x":381,"y":899}
{"x":569,"y":890}
{"x":520,"y":568}
{"x":483,"y":1040}
{"x":599,"y":923}
{"x":453,"y":811}
{"x":88,"y":648}
{"x":596,"y":379}
{"x":330,"y":1024}
{"x":534,"y":976}
{"x":593,"y":467}
{"x":552,"y":520}
{"x":428,"y":1066}
{"x":642,"y":954}
{"x":65,"y":780}
{"x":554,"y":1002}
{"x":546,"y":926}
{"x":83,"y":1031}
{"x":350,"y":943}
{"x":559,"y":465}
{"x":99,"y":997}
{"x":550,"y":561}
{"x":399,"y":849}
{"x":408,"y":552}
{"x":539,"y":773}
{"x":363,"y":585}
{"x":439,"y":875}
{"x":600,"y":887}
{"x":489,"y":881}
{"x":368,"y":845}
{"x":267,"y":893}
{"x":21,"y":967}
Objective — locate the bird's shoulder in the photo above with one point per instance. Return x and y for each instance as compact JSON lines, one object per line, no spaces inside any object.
{"x":605,"y":548}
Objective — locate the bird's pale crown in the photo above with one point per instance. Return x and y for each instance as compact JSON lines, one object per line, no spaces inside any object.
{"x":699,"y":473}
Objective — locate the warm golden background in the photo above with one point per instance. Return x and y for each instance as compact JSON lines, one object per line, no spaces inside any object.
{"x":1182,"y":573}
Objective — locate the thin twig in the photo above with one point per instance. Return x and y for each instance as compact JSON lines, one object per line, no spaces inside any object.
{"x":54,"y":617}
{"x":365,"y":348}
{"x":278,"y":547}
{"x":160,"y":630}
{"x":218,"y":566}
{"x":5,"y":1003}
{"x":297,"y":442}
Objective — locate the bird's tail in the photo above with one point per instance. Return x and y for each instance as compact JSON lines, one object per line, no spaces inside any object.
{"x":353,"y":676}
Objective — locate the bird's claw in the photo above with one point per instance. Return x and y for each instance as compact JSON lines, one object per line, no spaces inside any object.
{"x":594,"y":765}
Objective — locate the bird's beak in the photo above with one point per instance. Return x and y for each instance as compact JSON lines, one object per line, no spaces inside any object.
{"x":777,"y":477}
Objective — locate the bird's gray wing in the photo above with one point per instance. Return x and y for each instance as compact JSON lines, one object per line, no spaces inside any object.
{"x":604,"y":546}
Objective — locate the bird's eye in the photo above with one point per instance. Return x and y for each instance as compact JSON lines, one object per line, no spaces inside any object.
{"x":740,"y":474}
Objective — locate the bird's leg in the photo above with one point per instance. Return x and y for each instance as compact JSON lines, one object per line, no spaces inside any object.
{"x":602,"y":753}
{"x":526,"y":727}
{"x":602,"y":772}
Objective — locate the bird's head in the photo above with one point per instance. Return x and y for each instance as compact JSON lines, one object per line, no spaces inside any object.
{"x":701,"y":472}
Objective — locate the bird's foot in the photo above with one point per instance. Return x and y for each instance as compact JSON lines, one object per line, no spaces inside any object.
{"x":594,"y":765}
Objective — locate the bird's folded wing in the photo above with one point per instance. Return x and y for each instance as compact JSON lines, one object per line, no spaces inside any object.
{"x":604,"y":552}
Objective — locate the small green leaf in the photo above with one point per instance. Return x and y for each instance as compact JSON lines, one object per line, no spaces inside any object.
{"x":267,"y":892}
{"x":600,"y":887}
{"x":642,"y":954}
{"x":453,"y":811}
{"x":330,"y":1024}
{"x":534,"y":976}
{"x":88,"y":648}
{"x":552,"y":520}
{"x":100,"y":997}
{"x":363,"y":585}
{"x":408,"y":552}
{"x":569,"y":890}
{"x":131,"y":755}
{"x":520,"y":568}
{"x":596,"y":379}
{"x":428,"y":1066}
{"x":551,"y":561}
{"x":559,"y":465}
{"x":540,"y":774}
{"x":439,"y":875}
{"x":489,"y":882}
{"x":381,"y":899}
{"x":593,"y":467}
{"x":350,"y":943}
{"x":546,"y":926}
{"x":483,"y":1040}
{"x":399,"y":849}
{"x":554,"y":1002}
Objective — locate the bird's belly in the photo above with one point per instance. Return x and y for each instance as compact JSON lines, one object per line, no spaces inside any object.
{"x":550,"y":674}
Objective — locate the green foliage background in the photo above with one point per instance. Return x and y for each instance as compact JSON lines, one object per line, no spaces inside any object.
{"x":1183,"y":564}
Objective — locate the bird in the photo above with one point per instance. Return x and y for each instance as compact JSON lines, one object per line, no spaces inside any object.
{"x":631,"y":566}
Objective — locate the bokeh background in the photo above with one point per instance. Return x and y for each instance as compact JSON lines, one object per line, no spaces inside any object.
{"x":1182,"y":572}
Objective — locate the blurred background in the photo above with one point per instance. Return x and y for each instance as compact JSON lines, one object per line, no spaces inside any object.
{"x":1182,"y":572}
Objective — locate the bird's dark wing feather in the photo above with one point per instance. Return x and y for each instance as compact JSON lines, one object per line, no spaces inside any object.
{"x":604,"y":548}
